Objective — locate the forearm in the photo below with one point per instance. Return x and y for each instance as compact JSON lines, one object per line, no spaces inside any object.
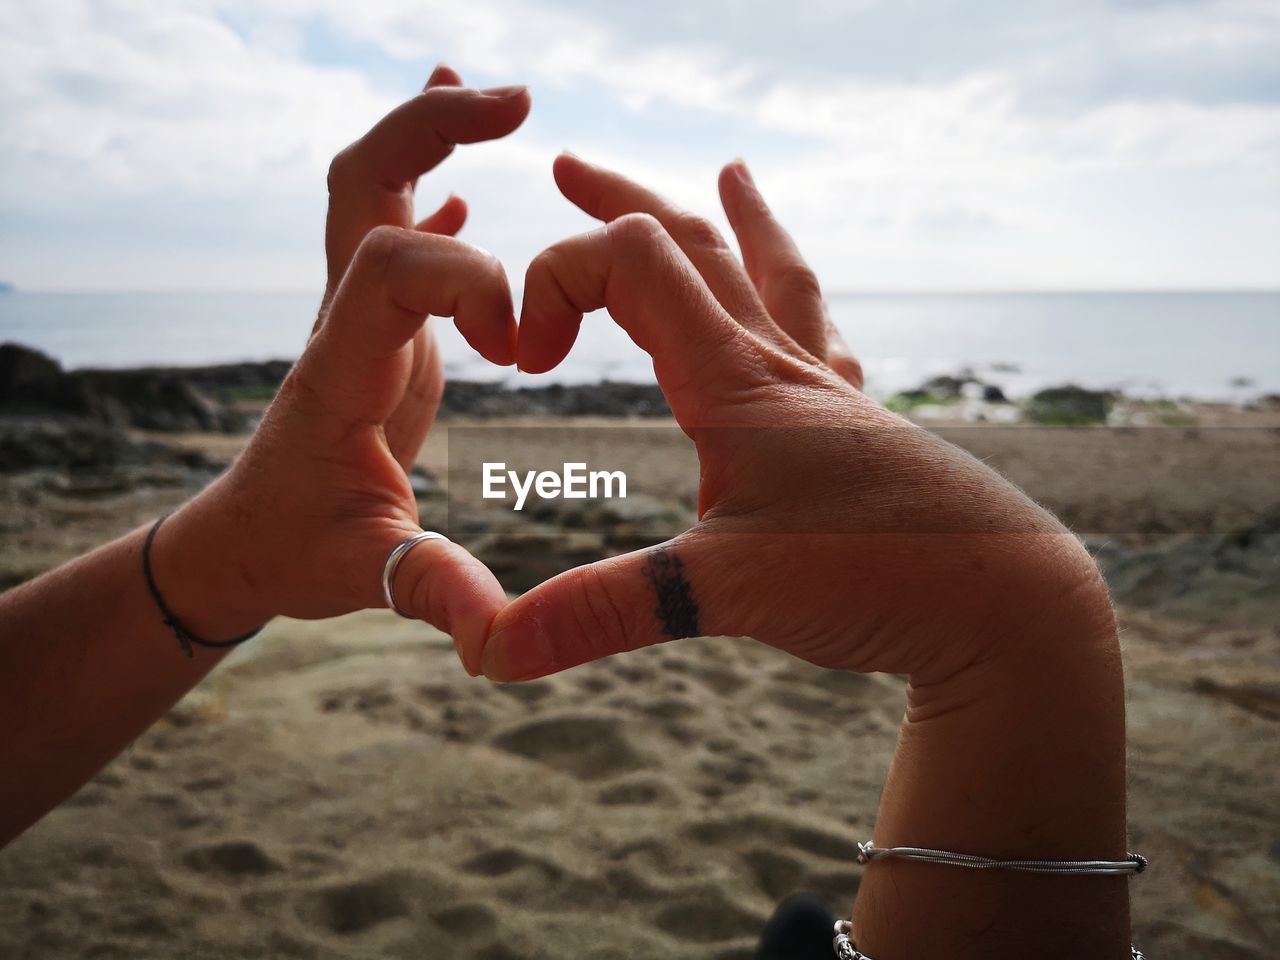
{"x":1020,"y":756}
{"x":87,"y":663}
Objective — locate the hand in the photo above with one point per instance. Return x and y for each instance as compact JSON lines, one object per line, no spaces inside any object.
{"x":371,"y":184}
{"x":303,"y":522}
{"x":828,"y":527}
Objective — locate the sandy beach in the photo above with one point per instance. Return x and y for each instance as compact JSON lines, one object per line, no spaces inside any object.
{"x":342,"y":789}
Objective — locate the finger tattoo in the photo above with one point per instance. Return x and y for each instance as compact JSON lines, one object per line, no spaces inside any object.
{"x":677,"y":610}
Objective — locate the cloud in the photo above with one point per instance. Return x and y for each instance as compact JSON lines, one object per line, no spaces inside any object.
{"x":936,"y":141}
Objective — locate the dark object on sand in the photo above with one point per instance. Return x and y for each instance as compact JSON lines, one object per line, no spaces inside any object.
{"x":800,"y":929}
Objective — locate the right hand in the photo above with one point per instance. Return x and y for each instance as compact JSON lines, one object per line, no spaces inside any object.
{"x":828,"y":527}
{"x":301,"y":524}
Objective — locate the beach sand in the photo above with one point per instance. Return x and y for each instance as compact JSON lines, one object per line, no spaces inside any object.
{"x":343,"y":789}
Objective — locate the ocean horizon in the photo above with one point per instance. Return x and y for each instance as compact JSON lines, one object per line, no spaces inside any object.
{"x":1208,"y":345}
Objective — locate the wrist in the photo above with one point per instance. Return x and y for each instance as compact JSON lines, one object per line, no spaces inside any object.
{"x":1029,"y":734}
{"x":200,"y":563}
{"x":1020,"y":755}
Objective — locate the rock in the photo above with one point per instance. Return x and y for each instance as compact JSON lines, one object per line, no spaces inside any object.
{"x":29,"y":379}
{"x":204,"y":398}
{"x":1070,"y":405}
{"x":944,"y":387}
{"x":32,"y":383}
{"x":523,"y":556}
{"x":153,"y":401}
{"x":605,"y":399}
{"x":228,"y":382}
{"x":947,"y":390}
{"x":28,"y":444}
{"x":90,"y":459}
{"x":424,"y":483}
{"x":1260,"y":698}
{"x":630,"y":523}
{"x":1225,"y":578}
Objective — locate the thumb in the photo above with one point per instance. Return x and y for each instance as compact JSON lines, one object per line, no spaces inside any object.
{"x":441,"y":583}
{"x":616,"y":605}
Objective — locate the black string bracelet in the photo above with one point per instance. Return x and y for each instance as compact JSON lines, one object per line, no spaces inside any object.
{"x":185,"y":637}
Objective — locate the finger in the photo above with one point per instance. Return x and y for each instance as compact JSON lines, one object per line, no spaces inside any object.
{"x":397,"y":279}
{"x":607,"y":196}
{"x":447,"y":220}
{"x":634,"y":268}
{"x":788,"y":288}
{"x":441,"y":583}
{"x":371,"y":181}
{"x":421,"y":132}
{"x":612,"y":606}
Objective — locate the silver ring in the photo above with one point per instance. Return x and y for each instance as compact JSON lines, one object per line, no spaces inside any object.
{"x":393,"y":561}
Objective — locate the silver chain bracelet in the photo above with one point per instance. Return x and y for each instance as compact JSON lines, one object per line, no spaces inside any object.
{"x":845,"y":949}
{"x":1133,"y":863}
{"x":868,"y":852}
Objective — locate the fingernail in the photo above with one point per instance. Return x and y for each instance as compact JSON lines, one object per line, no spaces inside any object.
{"x":519,"y":651}
{"x":503,"y":93}
{"x":740,"y":168}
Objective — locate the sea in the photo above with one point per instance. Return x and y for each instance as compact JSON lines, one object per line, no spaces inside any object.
{"x":1221,"y":346}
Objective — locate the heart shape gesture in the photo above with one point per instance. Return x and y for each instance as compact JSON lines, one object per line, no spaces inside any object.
{"x":828,"y":528}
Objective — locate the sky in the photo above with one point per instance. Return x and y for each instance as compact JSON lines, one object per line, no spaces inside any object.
{"x":908,"y":144}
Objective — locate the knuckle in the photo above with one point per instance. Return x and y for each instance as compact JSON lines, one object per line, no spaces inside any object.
{"x":435,"y":95}
{"x":542,"y":261}
{"x":425,"y":602}
{"x":698,"y":231}
{"x":491,"y":265}
{"x":797,"y":280}
{"x":379,"y":246}
{"x":848,"y":368}
{"x":542,"y":266}
{"x":341,"y":167}
{"x":599,"y":616}
{"x":636,"y":228}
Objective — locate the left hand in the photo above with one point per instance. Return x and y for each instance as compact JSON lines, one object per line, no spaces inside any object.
{"x":827,"y":526}
{"x":371,"y":184}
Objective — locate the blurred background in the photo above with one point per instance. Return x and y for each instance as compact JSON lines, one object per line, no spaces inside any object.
{"x":1048,"y":228}
{"x":1088,"y":156}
